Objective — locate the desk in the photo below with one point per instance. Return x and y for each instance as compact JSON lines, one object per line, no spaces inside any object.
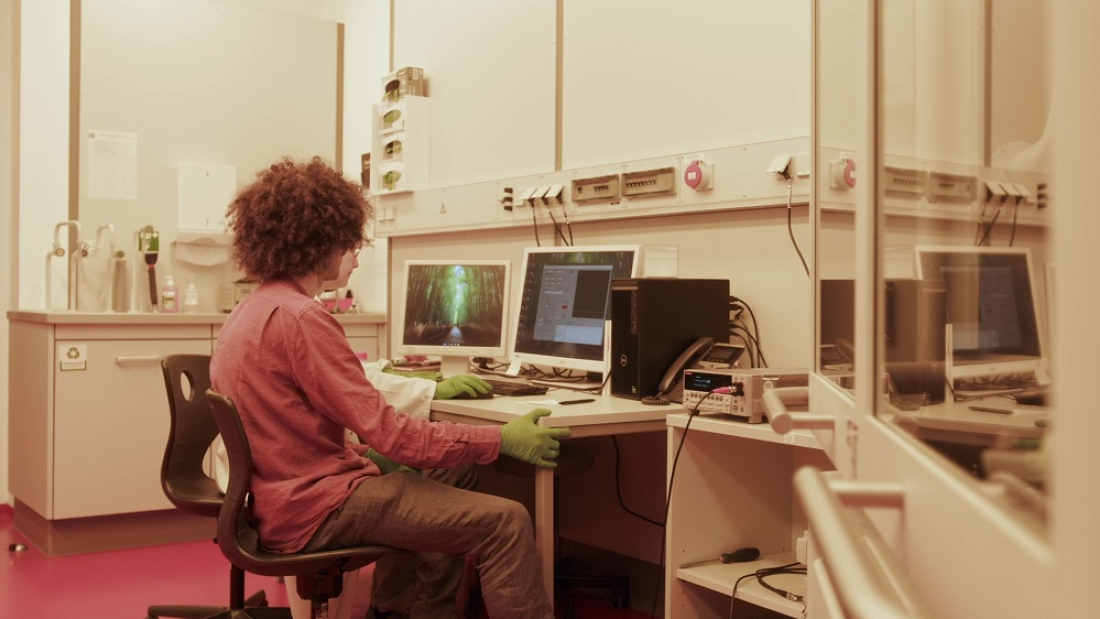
{"x":604,"y":416}
{"x":955,"y":422}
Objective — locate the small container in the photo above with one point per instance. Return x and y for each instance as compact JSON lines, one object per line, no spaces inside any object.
{"x":169,"y":297}
{"x":191,"y":299}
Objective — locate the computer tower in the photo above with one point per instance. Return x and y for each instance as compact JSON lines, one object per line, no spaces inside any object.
{"x":916,"y":318}
{"x":653,"y":320}
{"x":913,"y":334}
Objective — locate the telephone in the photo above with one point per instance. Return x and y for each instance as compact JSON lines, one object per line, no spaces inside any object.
{"x":703,"y":353}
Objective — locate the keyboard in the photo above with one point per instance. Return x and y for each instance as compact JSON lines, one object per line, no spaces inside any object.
{"x":514,"y":387}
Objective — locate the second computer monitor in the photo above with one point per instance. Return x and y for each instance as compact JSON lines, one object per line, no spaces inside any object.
{"x":991,"y":307}
{"x":564,"y":304}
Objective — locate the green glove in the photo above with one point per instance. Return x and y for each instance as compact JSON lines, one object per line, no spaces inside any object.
{"x":386,"y":465}
{"x":459,"y":384}
{"x":524,"y":439}
{"x":428,"y":374}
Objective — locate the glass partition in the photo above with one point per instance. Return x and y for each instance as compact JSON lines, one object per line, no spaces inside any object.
{"x":963,"y":286}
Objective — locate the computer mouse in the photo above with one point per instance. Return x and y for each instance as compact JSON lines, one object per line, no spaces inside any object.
{"x":462,"y":395}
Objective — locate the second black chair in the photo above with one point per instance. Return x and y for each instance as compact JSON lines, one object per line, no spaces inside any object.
{"x":320,"y":574}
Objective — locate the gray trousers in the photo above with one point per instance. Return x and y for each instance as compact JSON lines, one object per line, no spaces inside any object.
{"x":421,"y":514}
{"x":424,"y":585}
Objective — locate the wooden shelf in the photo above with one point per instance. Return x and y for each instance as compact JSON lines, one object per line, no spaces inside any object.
{"x":722,"y":578}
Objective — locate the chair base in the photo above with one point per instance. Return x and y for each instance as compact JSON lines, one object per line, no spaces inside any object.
{"x":253,"y":613}
{"x":257,"y":600}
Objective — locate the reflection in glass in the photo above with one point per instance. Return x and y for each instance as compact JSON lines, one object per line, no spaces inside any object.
{"x":963,"y":237}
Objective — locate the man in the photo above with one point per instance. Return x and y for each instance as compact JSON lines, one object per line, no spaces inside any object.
{"x":297,"y":384}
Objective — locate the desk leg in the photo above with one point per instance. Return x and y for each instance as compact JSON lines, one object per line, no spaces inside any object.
{"x":544,"y":525}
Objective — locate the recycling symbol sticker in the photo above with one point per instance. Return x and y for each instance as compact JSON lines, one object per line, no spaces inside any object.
{"x":73,"y":357}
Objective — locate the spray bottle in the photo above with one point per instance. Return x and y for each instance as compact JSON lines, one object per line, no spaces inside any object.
{"x":169,"y":298}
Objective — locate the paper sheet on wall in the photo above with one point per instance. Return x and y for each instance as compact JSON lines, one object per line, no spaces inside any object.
{"x":112,"y":165}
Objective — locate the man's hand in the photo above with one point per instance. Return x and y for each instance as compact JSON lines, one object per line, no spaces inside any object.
{"x":524,"y":439}
{"x":386,"y":465}
{"x":459,"y":384}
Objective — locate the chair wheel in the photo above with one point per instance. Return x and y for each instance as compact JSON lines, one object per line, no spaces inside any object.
{"x":620,"y":601}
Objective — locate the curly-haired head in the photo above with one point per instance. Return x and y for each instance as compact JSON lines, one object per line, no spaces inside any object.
{"x":293,"y":218}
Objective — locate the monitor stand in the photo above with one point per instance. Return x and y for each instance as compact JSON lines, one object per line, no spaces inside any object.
{"x":450,"y":365}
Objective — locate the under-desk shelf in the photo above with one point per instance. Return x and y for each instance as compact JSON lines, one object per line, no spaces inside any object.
{"x":733,"y":488}
{"x":722,"y":578}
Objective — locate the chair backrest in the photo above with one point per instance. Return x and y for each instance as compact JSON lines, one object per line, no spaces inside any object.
{"x":237,"y":535}
{"x":192,"y":430}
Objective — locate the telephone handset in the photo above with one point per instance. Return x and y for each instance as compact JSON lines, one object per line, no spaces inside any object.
{"x":704,"y":352}
{"x":686,"y":359}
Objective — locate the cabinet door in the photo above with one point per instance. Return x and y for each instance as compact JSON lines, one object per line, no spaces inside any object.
{"x":111,"y":421}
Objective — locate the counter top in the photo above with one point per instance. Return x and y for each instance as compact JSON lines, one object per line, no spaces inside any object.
{"x":134,"y":318}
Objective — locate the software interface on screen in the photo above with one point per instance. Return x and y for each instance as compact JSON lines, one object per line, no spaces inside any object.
{"x":990,"y":303}
{"x":455,"y":308}
{"x":563,"y":304}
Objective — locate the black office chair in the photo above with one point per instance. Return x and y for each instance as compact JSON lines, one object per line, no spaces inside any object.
{"x":320,"y":574}
{"x":192,"y":430}
{"x":573,"y":459}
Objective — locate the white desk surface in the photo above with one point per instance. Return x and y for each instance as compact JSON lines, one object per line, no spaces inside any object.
{"x":958,"y":417}
{"x":587,"y":419}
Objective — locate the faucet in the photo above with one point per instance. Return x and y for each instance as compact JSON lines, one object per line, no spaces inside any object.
{"x":59,"y":251}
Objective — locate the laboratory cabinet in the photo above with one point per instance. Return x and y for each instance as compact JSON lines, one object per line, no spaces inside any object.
{"x":89,"y":420}
{"x":731,"y":489}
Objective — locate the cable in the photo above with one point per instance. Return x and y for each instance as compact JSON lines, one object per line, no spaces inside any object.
{"x":1015,"y":213}
{"x":568,"y":226}
{"x":668,"y":497}
{"x":978,"y":229}
{"x":535,"y":226}
{"x":619,"y":489}
{"x":790,"y":228}
{"x":760,"y":574}
{"x":989,"y":228}
{"x":755,"y":336}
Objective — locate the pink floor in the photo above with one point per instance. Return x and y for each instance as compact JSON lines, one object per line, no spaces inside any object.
{"x":121,"y":584}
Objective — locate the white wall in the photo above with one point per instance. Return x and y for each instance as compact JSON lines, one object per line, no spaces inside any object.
{"x":198,"y":82}
{"x":638,"y":80}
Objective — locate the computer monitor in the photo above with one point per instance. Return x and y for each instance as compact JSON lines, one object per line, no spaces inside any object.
{"x":455,"y":309}
{"x":991,"y":312}
{"x":564,"y":303}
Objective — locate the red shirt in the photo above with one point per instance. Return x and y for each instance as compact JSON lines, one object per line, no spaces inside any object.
{"x":286,"y":363}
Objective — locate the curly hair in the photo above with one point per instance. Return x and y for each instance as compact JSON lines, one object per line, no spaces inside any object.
{"x":294,"y":217}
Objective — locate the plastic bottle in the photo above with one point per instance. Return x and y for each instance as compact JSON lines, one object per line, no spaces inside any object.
{"x":169,"y":298}
{"x":191,"y":298}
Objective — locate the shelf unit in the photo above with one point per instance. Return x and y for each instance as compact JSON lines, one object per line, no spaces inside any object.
{"x":732,"y":489}
{"x":400,"y":146}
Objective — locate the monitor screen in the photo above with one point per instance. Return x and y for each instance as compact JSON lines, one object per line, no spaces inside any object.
{"x":990,"y":302}
{"x":564,"y":302}
{"x":455,"y":308}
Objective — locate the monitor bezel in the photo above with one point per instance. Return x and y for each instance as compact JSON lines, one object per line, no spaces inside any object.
{"x":553,"y":361}
{"x":498,"y":351}
{"x":1010,"y":362}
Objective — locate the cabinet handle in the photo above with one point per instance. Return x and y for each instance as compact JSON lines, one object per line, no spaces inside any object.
{"x":783,"y":421}
{"x":136,"y":360}
{"x":867,"y":579}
